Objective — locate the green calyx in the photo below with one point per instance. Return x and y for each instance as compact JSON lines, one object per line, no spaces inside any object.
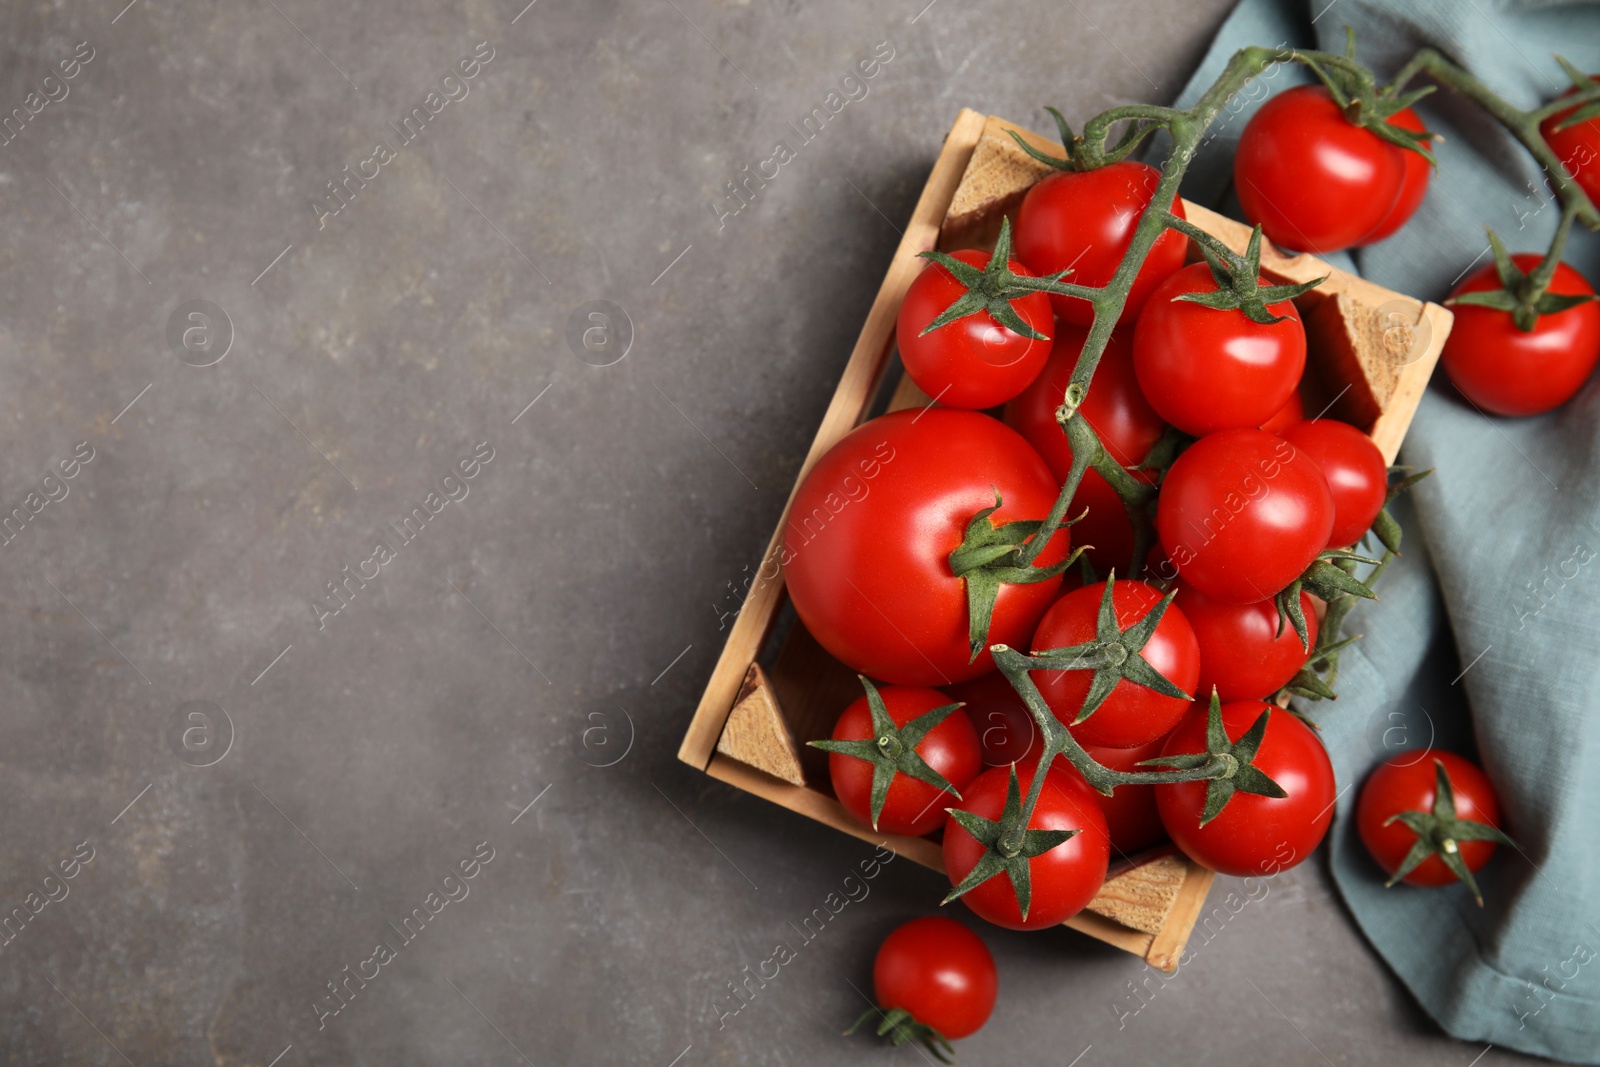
{"x":1238,"y":281}
{"x":990,"y":289}
{"x":1355,"y":90}
{"x":902,"y":1028}
{"x":988,"y":557}
{"x":893,"y":749}
{"x":1081,"y":153}
{"x":1009,"y":844}
{"x":1440,"y":833}
{"x":1114,"y":655}
{"x":1244,"y":777}
{"x":1526,"y":296}
{"x":1586,"y":87}
{"x":1386,"y":528}
{"x":1330,"y":576}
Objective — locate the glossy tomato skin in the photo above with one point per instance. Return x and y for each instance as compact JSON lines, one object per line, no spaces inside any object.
{"x":1204,"y":369}
{"x":1503,"y":370}
{"x":1253,"y":834}
{"x":1064,"y":879}
{"x":1405,"y":782}
{"x":1242,"y":513}
{"x":1132,"y":715}
{"x":1242,"y":654}
{"x":868,"y":537}
{"x":913,"y":807}
{"x":1006,"y":731}
{"x":1578,"y":148}
{"x":1357,"y":476}
{"x":973,"y":362}
{"x":1313,"y":180}
{"x":1293,"y":411}
{"x":939,"y":971}
{"x":1123,"y":420}
{"x":1085,"y":220}
{"x":1413,"y":187}
{"x":1132,"y":817}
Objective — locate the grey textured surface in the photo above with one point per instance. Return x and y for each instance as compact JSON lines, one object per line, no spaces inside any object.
{"x":563,"y":614}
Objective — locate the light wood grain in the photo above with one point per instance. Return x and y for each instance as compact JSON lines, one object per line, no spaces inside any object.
{"x":756,"y":733}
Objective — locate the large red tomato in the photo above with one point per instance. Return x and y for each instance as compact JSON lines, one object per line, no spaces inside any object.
{"x":1084,"y":220}
{"x":1407,"y":782}
{"x":1412,"y":188}
{"x":1242,"y":513}
{"x":1205,"y":369}
{"x":912,"y":806}
{"x":1243,"y":654}
{"x":1121,"y":417}
{"x":1132,"y":714}
{"x":1357,"y":476}
{"x":973,"y":362}
{"x":1578,"y":148}
{"x":939,"y":971}
{"x":1254,"y":834}
{"x":1507,"y":371}
{"x":867,"y":542}
{"x":1315,"y":181}
{"x":1063,"y":879}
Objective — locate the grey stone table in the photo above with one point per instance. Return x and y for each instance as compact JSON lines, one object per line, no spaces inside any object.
{"x":345,"y":605}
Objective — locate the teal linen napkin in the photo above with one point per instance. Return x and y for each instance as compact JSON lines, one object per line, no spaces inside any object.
{"x":1487,"y":637}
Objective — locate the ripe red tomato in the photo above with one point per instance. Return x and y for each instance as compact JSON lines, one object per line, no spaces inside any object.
{"x":1412,"y":188}
{"x":973,"y":362}
{"x":1314,"y":181}
{"x":1357,"y":476}
{"x":1242,"y":513}
{"x":1132,"y":714}
{"x":939,"y":971}
{"x":1578,"y":148}
{"x":869,"y":533}
{"x":1006,"y":731}
{"x":912,"y":807}
{"x":1064,"y":879}
{"x":1123,"y":420}
{"x":1242,"y":654}
{"x":1406,"y":782}
{"x":1205,"y":369}
{"x":1132,"y":818}
{"x":1254,"y":834}
{"x":1503,"y":370}
{"x":1084,"y":220}
{"x":1293,"y":411}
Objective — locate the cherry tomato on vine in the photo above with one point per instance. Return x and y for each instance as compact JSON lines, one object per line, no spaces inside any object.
{"x":1132,"y":818}
{"x":1243,"y":654}
{"x":1315,"y":181}
{"x":974,"y":361}
{"x":912,"y":806}
{"x":1407,"y":782}
{"x":1577,"y":146}
{"x":1357,"y":476}
{"x":1132,"y":714}
{"x":1006,"y":731}
{"x":1293,"y":411}
{"x":1205,"y":369}
{"x":869,"y":534}
{"x":1242,"y":513}
{"x":1413,"y":187}
{"x":1508,"y":371}
{"x":1063,"y":879}
{"x":940,"y":972}
{"x":1258,"y":835}
{"x":1084,"y":220}
{"x":1123,"y":420}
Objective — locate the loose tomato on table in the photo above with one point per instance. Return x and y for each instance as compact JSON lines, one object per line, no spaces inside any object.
{"x":870,"y":533}
{"x":1247,"y":652}
{"x":1127,"y":661}
{"x":1577,"y":146}
{"x":899,"y":756}
{"x":1062,"y":878}
{"x":1313,"y":180}
{"x":1509,"y":368}
{"x":1430,"y":818}
{"x":1242,"y":514}
{"x":1206,"y":369}
{"x":1256,"y":830}
{"x":1357,"y":476}
{"x":934,"y":980}
{"x":1128,"y":427}
{"x":1083,"y":221}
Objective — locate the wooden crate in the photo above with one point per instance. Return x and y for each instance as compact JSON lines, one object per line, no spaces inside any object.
{"x":1370,"y":354}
